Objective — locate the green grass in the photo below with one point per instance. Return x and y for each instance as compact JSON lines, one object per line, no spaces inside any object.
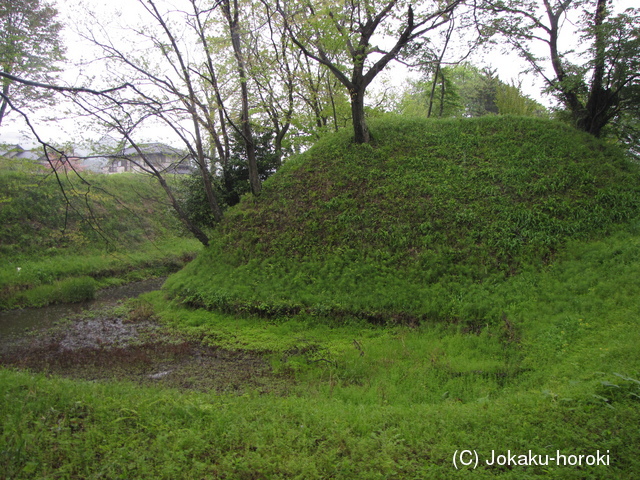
{"x":400,"y":353}
{"x":114,"y":229}
{"x":401,"y":229}
{"x":38,"y":282}
{"x":561,"y":374}
{"x":45,"y":216}
{"x":583,"y":306}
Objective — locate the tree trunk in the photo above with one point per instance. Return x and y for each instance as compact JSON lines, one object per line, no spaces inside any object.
{"x":247,"y":134}
{"x":434,"y":82}
{"x":360,"y":129}
{"x":182,"y":215}
{"x":280,"y":134}
{"x":333,"y":106}
{"x":245,"y":130}
{"x":5,"y":99}
{"x":436,"y":74}
{"x":595,"y":114}
{"x":442,"y":92}
{"x":208,"y":188}
{"x":600,"y":102}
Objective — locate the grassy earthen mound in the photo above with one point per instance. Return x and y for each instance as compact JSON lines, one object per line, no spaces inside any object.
{"x":404,"y":228}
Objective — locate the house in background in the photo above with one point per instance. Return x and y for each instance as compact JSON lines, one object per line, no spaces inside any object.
{"x":66,"y":161}
{"x":164,"y":158}
{"x":105,"y":157}
{"x":17,"y":152}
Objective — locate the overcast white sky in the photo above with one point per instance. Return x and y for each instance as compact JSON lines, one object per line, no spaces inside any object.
{"x":67,"y":128}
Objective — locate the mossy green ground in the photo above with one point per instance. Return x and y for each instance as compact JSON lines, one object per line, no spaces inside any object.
{"x":537,"y":352}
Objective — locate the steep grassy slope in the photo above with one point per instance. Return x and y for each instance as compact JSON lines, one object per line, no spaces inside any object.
{"x":57,"y":231}
{"x":404,"y":228}
{"x":41,"y":215}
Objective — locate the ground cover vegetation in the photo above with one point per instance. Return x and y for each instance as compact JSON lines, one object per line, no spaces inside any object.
{"x":432,"y":212}
{"x":456,"y":284}
{"x":386,"y":402}
{"x":63,"y":235}
{"x":391,"y":296}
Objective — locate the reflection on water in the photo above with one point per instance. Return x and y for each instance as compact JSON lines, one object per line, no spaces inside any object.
{"x":15,"y":322}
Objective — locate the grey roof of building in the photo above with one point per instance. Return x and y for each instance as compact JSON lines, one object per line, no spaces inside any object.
{"x":16,"y":151}
{"x":153,"y":148}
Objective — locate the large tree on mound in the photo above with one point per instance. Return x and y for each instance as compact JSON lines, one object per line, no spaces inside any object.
{"x":597,"y":81}
{"x":340,"y":36}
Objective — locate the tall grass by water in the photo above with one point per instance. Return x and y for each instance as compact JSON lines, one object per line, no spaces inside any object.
{"x":367,"y":401}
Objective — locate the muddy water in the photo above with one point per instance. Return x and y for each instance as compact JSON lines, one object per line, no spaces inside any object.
{"x":92,"y":341}
{"x":17,"y":322}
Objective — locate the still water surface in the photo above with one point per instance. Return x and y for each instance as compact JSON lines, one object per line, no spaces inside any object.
{"x":16,"y":322}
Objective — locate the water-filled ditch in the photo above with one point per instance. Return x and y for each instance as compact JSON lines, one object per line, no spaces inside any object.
{"x":94,"y":341}
{"x":15,"y":322}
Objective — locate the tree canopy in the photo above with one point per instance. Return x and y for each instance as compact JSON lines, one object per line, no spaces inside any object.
{"x":30,"y":47}
{"x":341,"y":37}
{"x":465,"y":91}
{"x":598,"y":79}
